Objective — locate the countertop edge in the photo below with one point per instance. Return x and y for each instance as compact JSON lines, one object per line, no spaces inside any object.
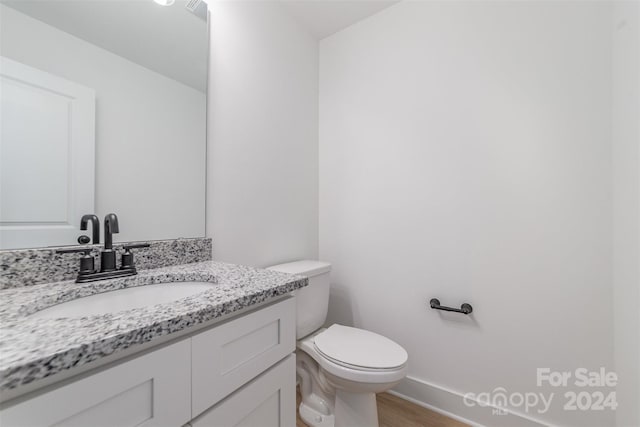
{"x":17,"y":375}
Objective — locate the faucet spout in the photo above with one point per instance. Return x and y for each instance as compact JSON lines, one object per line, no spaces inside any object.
{"x":110,"y":227}
{"x":95,"y":227}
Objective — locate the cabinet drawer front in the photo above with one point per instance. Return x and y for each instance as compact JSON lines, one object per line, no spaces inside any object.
{"x":150,"y":390}
{"x":267,"y":401}
{"x":231,"y":354}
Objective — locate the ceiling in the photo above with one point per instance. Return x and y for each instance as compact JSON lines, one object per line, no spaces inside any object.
{"x":325,"y":17}
{"x":169,"y":40}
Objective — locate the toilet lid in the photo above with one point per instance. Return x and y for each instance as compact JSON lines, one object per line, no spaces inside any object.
{"x":361,"y":348}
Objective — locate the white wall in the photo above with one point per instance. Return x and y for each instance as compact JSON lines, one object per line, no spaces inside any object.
{"x":150,"y":130}
{"x":465,"y":155}
{"x":626,"y":196}
{"x":262,"y":184}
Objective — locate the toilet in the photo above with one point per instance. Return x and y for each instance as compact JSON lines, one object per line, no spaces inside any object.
{"x":339,"y":369}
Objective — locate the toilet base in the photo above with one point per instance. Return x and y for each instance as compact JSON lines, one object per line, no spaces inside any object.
{"x":314,"y":418}
{"x":351,"y":410}
{"x":355,"y":409}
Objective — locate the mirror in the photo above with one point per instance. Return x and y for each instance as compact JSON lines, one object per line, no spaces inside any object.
{"x":103,"y":109}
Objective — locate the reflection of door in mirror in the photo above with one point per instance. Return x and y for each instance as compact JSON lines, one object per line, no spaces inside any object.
{"x":47,"y":145}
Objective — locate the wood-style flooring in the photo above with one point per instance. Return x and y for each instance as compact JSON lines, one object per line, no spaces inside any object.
{"x":396,"y":412}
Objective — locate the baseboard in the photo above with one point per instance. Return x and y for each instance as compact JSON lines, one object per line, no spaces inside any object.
{"x":451,"y":404}
{"x":435,"y":409}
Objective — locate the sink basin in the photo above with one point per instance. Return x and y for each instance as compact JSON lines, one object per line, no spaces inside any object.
{"x":123,"y":299}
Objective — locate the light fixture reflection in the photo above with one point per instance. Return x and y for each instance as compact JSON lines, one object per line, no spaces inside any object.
{"x":165,"y":2}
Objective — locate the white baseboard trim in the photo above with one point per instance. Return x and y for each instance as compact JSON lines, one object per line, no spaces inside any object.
{"x":451,"y":404}
{"x":434,"y":409}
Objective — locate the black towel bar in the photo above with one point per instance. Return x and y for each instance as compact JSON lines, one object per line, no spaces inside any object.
{"x":464,"y":308}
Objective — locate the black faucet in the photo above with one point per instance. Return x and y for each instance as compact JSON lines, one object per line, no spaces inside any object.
{"x":110,"y":227}
{"x":95,"y":227}
{"x":107,"y":255}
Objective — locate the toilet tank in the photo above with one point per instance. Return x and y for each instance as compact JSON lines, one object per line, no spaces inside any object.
{"x":312,"y":302}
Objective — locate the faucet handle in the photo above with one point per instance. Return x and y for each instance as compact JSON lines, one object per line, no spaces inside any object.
{"x":86,"y":260}
{"x":127,"y":256}
{"x":74,"y":250}
{"x":135,"y":246}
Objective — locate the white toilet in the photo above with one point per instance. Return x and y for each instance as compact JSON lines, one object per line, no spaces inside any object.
{"x":340,"y":369}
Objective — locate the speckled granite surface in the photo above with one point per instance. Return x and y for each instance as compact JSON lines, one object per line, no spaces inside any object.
{"x":33,"y":348}
{"x":25,"y":267}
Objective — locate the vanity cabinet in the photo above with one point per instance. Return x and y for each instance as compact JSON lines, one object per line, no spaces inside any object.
{"x":150,"y":390}
{"x":232,"y":373}
{"x":231,"y":354}
{"x":267,"y":401}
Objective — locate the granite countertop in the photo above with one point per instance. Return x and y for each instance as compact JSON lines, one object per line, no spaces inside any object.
{"x":34,"y":348}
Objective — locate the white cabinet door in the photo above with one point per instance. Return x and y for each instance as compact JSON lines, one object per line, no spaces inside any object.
{"x":267,"y":401}
{"x":47,"y":145}
{"x":231,"y":354}
{"x":150,"y":390}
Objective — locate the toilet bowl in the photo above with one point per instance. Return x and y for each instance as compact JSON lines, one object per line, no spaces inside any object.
{"x":355,"y":364}
{"x":339,"y":368}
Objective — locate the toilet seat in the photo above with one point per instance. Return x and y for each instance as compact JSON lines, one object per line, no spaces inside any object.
{"x":360,"y":349}
{"x":352,"y":371}
{"x":355,"y":367}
